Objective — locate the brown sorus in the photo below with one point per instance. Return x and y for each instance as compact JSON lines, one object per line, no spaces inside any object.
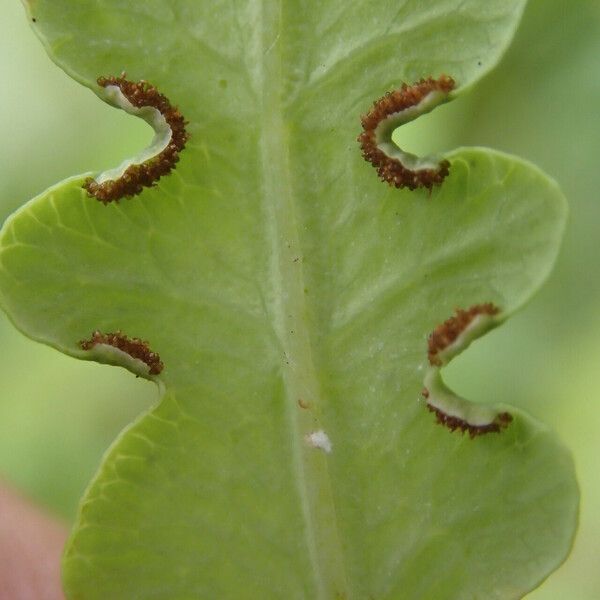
{"x":501,"y":422}
{"x":135,"y":347}
{"x":138,"y":176}
{"x":390,"y":169}
{"x":446,"y":333}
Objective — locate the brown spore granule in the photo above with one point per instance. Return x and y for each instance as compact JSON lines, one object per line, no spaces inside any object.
{"x":501,"y":422}
{"x":135,"y":347}
{"x":446,"y":333}
{"x":389,"y":169}
{"x":138,"y":176}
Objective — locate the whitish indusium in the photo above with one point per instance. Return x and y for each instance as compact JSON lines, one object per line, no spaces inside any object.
{"x":119,"y":349}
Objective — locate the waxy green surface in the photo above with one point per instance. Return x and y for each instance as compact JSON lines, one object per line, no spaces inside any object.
{"x":289,"y":291}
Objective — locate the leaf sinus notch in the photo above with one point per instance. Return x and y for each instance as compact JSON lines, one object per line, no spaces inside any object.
{"x":447,"y":340}
{"x":130,"y":178}
{"x":394,"y":166}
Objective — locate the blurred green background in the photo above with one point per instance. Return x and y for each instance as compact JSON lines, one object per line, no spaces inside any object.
{"x":58,"y":415}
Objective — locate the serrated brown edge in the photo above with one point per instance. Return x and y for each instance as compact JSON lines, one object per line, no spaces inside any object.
{"x":134,"y":347}
{"x":501,"y":421}
{"x":391,"y":170}
{"x":440,"y":338}
{"x":445,"y":334}
{"x":138,"y":176}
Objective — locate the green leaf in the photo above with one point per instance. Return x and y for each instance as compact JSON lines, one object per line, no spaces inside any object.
{"x":290,"y":294}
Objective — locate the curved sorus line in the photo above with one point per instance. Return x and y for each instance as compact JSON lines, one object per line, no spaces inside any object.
{"x":453,"y":423}
{"x":446,"y":341}
{"x":446,"y":334}
{"x":134,"y":347}
{"x":138,"y":176}
{"x":398,"y":168}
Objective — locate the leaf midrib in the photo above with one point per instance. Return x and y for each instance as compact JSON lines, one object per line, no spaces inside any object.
{"x":290,"y":314}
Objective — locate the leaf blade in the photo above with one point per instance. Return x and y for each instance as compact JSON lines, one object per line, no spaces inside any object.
{"x":265,"y":257}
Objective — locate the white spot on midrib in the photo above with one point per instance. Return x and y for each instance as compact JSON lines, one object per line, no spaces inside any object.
{"x":319,"y":439}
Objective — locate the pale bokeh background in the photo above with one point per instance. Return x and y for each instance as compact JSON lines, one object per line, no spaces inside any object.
{"x":58,"y":415}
